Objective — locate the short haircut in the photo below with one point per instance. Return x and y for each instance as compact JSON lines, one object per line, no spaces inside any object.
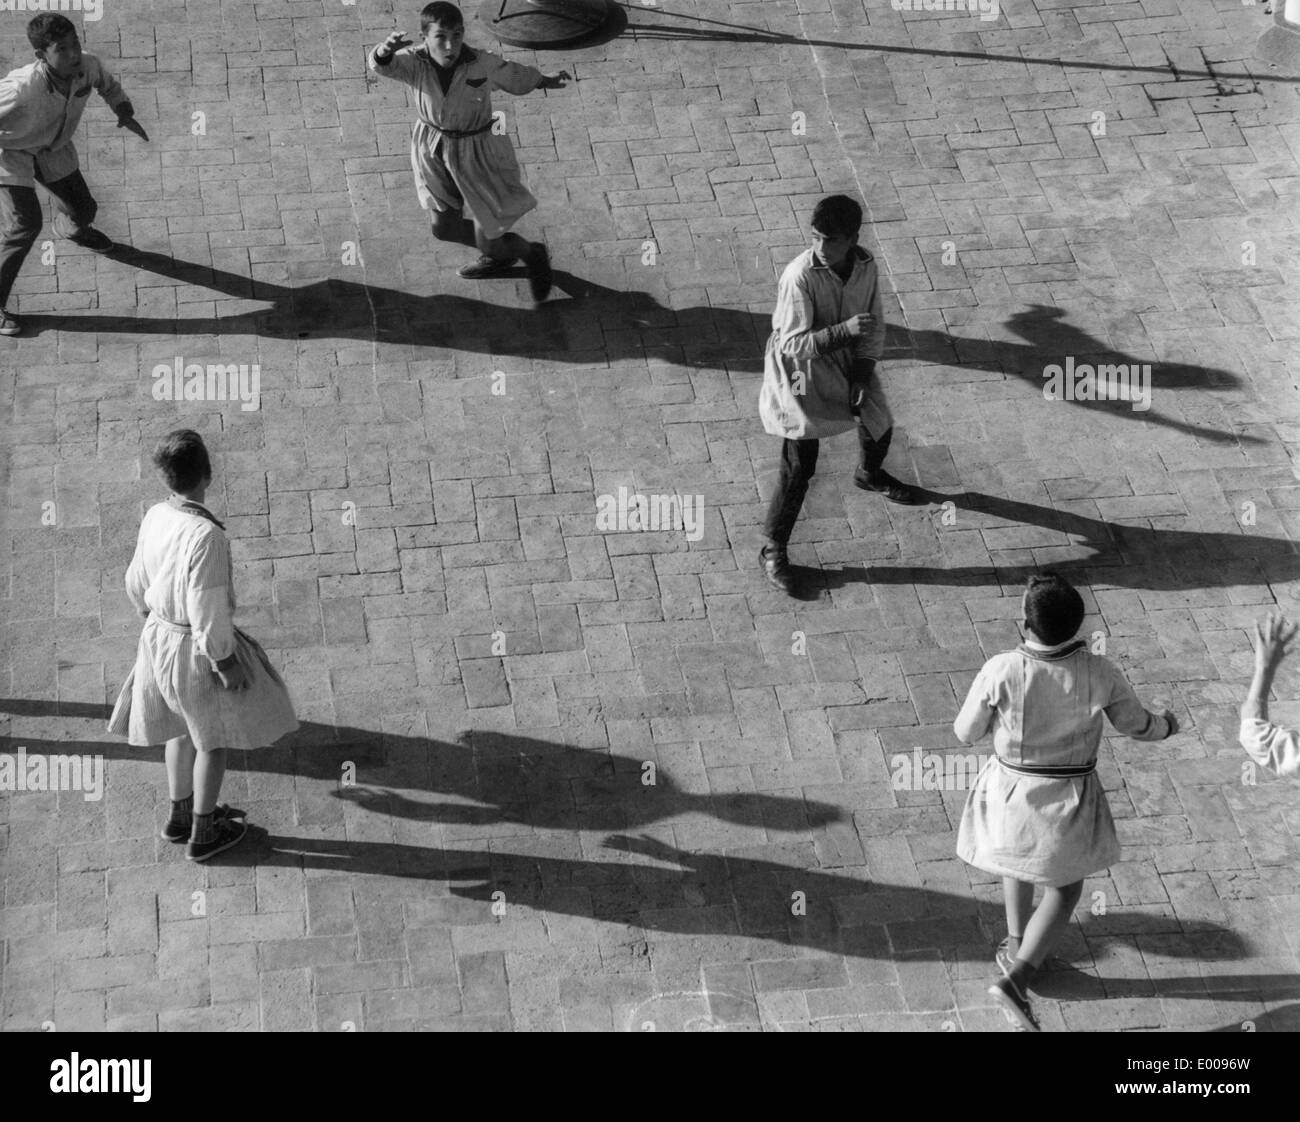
{"x":837,"y":216}
{"x":443,"y":14}
{"x":47,"y":28}
{"x":1053,"y":607}
{"x":182,"y":458}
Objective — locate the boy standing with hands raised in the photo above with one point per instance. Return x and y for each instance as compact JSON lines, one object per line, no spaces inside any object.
{"x":460,"y":163}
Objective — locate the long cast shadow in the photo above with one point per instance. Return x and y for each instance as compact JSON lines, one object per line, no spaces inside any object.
{"x":718,"y":31}
{"x":600,"y":322}
{"x":1137,"y":557}
{"x":504,"y":778}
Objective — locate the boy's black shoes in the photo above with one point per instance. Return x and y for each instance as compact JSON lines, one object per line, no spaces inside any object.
{"x":1014,"y":1003}
{"x":229,"y":832}
{"x":776,"y":567}
{"x":92,"y":239}
{"x":174,"y":832}
{"x":538,"y":264}
{"x":486,"y":267}
{"x":9,"y":325}
{"x":882,"y":483}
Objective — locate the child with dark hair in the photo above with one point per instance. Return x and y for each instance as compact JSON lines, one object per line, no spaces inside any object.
{"x":460,"y":162}
{"x":819,"y":377}
{"x":40,"y":108}
{"x":199,"y":684}
{"x":1037,"y":814}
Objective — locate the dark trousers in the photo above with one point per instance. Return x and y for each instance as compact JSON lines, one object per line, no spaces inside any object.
{"x":20,"y":221}
{"x":798,"y":464}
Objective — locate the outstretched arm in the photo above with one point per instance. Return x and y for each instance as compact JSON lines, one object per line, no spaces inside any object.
{"x":392,"y":61}
{"x":1268,"y":744}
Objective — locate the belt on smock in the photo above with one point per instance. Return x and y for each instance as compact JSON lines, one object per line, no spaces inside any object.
{"x":1050,"y":771}
{"x":457,"y":134}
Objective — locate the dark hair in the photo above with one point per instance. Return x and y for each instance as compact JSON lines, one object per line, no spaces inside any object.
{"x":443,"y":14}
{"x":182,"y":458}
{"x":1053,"y":607}
{"x":47,"y":28}
{"x":837,"y":216}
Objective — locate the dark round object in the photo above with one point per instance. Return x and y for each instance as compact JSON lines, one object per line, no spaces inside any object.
{"x":543,"y":23}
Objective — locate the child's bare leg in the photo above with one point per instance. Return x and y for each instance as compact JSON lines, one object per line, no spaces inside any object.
{"x":209,"y":771}
{"x":1019,"y":898}
{"x":453,"y":226}
{"x":180,"y":754}
{"x":1048,"y":923}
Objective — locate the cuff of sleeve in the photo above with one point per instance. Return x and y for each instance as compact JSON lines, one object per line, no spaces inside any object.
{"x":381,"y":60}
{"x":225,"y":663}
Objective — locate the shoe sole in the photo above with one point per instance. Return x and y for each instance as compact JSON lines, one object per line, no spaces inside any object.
{"x":1012,"y":1011}
{"x":243,"y":832}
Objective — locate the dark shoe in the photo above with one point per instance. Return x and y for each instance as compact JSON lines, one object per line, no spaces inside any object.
{"x":9,"y":325}
{"x":486,"y":267}
{"x":90,"y":238}
{"x":776,"y":567}
{"x":1014,"y":1003}
{"x":882,"y":483}
{"x":538,"y":263}
{"x":230,"y":832}
{"x":174,"y":833}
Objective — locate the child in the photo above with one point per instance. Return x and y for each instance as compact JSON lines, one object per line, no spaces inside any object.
{"x":1037,"y":813}
{"x":40,"y":108}
{"x":1269,"y":745}
{"x":199,"y":683}
{"x":819,"y":379}
{"x":459,"y":161}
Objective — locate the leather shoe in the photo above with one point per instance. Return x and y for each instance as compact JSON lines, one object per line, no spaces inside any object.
{"x":776,"y":567}
{"x":882,"y":483}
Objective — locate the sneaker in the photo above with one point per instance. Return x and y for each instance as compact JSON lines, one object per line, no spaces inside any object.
{"x":882,"y":483}
{"x":174,"y":833}
{"x":1014,"y":1003}
{"x":776,"y":567}
{"x":90,"y":238}
{"x":230,"y":832}
{"x":9,"y":325}
{"x":538,"y":263}
{"x":485,"y":267}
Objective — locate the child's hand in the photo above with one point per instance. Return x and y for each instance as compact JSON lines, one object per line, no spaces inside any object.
{"x":395,"y":42}
{"x":555,"y":81}
{"x":1271,"y":637}
{"x":126,"y":121}
{"x":860,"y":324}
{"x":233,"y":678}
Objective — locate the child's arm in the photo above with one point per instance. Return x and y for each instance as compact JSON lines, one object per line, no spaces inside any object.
{"x":977,"y":713}
{"x":515,"y":78}
{"x":207,"y":603}
{"x":794,"y":318}
{"x":391,"y":61}
{"x":1128,"y":715}
{"x":10,"y":103}
{"x":137,"y":580}
{"x":110,"y":89}
{"x":869,"y":347}
{"x":1270,"y":745}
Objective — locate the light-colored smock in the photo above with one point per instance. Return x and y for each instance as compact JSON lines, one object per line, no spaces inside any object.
{"x":1045,"y":708}
{"x":479,"y":173}
{"x":812,"y":363}
{"x":1271,"y":745}
{"x":37,"y":121}
{"x":181,"y":576}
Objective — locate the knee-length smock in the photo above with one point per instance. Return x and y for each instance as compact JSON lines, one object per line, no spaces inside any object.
{"x":1045,"y":707}
{"x":181,"y":577}
{"x":459,"y":162}
{"x":812,"y":365}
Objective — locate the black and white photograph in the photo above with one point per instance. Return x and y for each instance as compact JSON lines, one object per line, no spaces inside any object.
{"x":659,"y":516}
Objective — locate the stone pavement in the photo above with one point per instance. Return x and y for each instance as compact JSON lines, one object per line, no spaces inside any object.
{"x":465,"y":834}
